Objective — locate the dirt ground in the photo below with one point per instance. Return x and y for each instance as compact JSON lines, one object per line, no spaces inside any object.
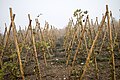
{"x":57,"y":70}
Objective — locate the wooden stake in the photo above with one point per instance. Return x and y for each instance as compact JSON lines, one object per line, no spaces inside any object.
{"x":91,"y":49}
{"x":80,"y":41}
{"x":16,"y":44}
{"x":37,"y":70}
{"x":96,"y":67}
{"x":103,"y":40}
{"x":43,"y":40}
{"x":6,"y":42}
{"x":111,"y":44}
{"x":1,"y":55}
{"x":69,"y":50}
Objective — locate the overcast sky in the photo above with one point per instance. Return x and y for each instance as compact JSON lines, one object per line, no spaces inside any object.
{"x":56,"y":12}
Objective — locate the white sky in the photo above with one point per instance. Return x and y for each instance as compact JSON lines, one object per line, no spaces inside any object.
{"x":56,"y":12}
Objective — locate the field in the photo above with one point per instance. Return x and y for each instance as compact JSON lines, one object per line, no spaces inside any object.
{"x":83,"y":50}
